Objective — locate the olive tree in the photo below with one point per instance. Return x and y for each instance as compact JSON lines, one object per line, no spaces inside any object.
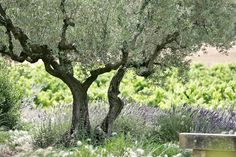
{"x":104,"y":35}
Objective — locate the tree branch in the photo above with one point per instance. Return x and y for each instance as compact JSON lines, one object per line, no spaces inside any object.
{"x":2,"y":22}
{"x":31,"y":52}
{"x":95,"y":73}
{"x":50,"y":70}
{"x":16,"y":31}
{"x":108,"y":67}
{"x":125,"y":48}
{"x":149,"y":64}
{"x":140,"y":26}
{"x":169,"y":38}
{"x":2,"y":11}
{"x":3,"y":51}
{"x":63,"y":44}
{"x":10,"y":41}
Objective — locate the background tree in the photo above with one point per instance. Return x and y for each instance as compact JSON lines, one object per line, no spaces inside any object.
{"x":102,"y":35}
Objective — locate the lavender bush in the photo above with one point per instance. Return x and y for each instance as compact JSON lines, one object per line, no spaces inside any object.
{"x":215,"y":121}
{"x":186,"y":118}
{"x":160,"y":125}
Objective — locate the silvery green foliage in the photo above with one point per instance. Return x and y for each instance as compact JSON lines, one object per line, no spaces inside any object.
{"x":102,"y":25}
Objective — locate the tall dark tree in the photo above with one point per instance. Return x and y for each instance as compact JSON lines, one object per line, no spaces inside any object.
{"x":105,"y":35}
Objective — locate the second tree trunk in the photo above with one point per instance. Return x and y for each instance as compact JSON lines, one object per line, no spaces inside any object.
{"x":115,"y":103}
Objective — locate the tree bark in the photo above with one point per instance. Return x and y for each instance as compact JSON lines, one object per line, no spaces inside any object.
{"x":80,"y":126}
{"x":80,"y":113}
{"x":115,"y":102}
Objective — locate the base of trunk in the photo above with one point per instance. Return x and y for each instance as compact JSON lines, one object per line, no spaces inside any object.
{"x":80,"y":127}
{"x":71,"y":135}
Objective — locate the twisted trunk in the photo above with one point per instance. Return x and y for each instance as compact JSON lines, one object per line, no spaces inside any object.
{"x":80,"y":125}
{"x":115,"y":102}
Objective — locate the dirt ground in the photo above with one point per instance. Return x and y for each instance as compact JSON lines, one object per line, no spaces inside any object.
{"x":213,"y":57}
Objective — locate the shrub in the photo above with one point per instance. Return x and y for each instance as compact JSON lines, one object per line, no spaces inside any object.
{"x":174,"y":121}
{"x":186,"y":118}
{"x":10,"y":96}
{"x":215,"y":121}
{"x":51,"y":125}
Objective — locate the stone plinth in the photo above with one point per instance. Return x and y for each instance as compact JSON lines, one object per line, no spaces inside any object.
{"x":209,"y":145}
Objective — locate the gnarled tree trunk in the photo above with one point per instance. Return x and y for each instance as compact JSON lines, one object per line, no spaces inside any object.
{"x":80,"y":126}
{"x":115,"y":102}
{"x":80,"y":115}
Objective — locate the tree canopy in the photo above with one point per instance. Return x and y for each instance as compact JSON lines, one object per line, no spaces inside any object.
{"x":98,"y":28}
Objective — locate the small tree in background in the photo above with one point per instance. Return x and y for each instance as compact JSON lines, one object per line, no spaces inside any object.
{"x":102,"y":35}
